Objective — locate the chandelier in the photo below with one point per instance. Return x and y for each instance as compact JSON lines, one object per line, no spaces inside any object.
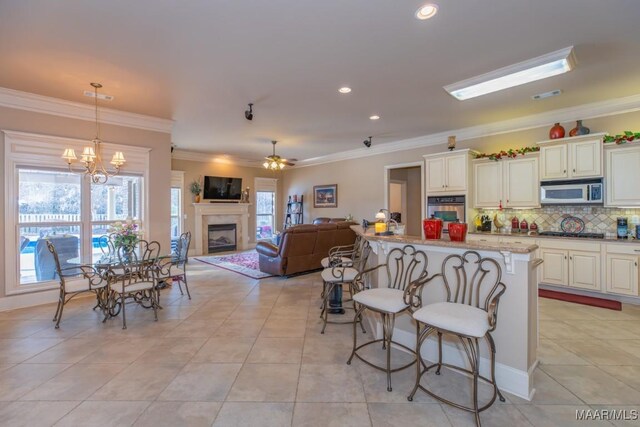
{"x":274,"y":162}
{"x":92,"y":155}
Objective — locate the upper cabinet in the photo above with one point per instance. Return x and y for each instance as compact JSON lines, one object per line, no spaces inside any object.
{"x":447,"y":172}
{"x":511,"y":183}
{"x":574,"y":157}
{"x":622,"y":176}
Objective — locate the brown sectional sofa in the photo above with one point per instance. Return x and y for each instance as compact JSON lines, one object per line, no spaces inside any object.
{"x":302,"y":247}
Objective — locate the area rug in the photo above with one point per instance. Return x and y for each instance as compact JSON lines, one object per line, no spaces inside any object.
{"x":581,"y":299}
{"x":245,"y":263}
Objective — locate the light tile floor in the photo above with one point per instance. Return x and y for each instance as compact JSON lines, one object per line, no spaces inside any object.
{"x":249,"y":353}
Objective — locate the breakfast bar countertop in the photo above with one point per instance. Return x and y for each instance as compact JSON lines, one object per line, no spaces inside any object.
{"x":518,"y":248}
{"x":538,"y":236}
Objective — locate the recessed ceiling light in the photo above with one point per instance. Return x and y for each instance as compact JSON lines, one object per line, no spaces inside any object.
{"x":374,"y":117}
{"x":344,"y":89}
{"x":427,"y":11}
{"x":551,"y":64}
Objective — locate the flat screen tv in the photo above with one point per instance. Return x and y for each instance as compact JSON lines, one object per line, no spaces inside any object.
{"x":222,"y":188}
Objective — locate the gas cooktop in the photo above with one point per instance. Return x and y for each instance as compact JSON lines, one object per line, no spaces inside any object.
{"x":566,"y":234}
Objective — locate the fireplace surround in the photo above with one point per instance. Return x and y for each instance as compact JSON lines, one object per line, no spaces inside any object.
{"x":220,"y":213}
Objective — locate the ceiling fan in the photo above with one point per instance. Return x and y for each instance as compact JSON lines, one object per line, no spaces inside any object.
{"x":275,"y":162}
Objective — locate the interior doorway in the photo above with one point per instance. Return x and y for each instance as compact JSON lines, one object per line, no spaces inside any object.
{"x":404,"y":196}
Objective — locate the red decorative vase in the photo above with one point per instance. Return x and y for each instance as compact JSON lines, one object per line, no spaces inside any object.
{"x":457,"y":231}
{"x":557,"y":131}
{"x":432,"y":228}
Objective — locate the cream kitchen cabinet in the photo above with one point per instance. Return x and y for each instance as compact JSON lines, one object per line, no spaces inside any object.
{"x":584,"y":270}
{"x":622,"y":269}
{"x":521,"y":183}
{"x":553,"y":162}
{"x":571,"y":263}
{"x":511,"y":183}
{"x":487,"y":181}
{"x":622,"y":176}
{"x":447,"y":172}
{"x":575,"y":157}
{"x":554,"y":268}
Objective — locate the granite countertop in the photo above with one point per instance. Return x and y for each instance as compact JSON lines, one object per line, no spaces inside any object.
{"x":537,"y":236}
{"x":445,"y":242}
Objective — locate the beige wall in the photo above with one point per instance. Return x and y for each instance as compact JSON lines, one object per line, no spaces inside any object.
{"x":197,"y":170}
{"x":361,"y":181}
{"x":159,"y":161}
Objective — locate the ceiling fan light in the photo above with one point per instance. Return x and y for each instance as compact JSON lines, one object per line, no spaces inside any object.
{"x":281,"y":165}
{"x":266,"y":165}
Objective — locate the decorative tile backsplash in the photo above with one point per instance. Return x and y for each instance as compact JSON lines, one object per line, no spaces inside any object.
{"x":548,"y":218}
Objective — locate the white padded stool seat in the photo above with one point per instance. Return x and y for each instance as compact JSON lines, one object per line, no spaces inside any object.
{"x":460,"y":319}
{"x":325,"y":261}
{"x":348,"y":275}
{"x":383,"y":299}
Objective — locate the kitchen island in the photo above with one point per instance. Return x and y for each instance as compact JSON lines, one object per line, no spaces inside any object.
{"x":516,"y":335}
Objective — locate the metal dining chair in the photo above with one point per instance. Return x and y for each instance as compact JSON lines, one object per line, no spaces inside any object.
{"x":69,"y":289}
{"x":136,"y":277}
{"x":176,"y":268}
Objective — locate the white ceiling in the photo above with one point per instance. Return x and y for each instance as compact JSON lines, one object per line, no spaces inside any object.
{"x":201,"y":62}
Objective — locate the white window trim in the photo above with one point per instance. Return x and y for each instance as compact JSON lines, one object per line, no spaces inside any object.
{"x":28,"y":149}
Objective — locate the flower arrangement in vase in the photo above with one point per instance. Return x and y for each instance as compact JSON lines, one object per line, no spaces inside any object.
{"x":126,"y":234}
{"x":196,"y":189}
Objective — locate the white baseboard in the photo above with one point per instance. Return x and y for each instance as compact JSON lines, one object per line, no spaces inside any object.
{"x":29,"y":300}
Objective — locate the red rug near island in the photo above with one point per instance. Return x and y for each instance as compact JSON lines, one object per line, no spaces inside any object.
{"x":581,"y":299}
{"x":245,"y":263}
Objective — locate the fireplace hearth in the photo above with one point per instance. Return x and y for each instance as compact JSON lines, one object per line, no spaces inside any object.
{"x":222,"y":237}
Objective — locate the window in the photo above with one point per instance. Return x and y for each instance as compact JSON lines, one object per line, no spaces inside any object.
{"x":44,"y":201}
{"x":177,"y":223}
{"x":50,"y":208}
{"x":265,"y":208}
{"x":265,"y":218}
{"x":176,"y":202}
{"x":118,"y":200}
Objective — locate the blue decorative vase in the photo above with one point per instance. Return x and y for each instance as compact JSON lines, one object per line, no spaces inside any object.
{"x":579,"y":129}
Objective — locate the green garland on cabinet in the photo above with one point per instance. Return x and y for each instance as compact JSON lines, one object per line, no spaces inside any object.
{"x":510,"y":153}
{"x":627,"y":136}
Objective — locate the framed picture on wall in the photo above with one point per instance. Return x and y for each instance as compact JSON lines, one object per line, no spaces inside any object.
{"x":325,"y":196}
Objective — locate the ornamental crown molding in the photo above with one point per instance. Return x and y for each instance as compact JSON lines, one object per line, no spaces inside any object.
{"x":198,"y":156}
{"x":586,"y":111}
{"x":75,"y":110}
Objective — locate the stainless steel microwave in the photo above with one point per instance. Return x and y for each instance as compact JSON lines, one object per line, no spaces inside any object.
{"x":572,"y":192}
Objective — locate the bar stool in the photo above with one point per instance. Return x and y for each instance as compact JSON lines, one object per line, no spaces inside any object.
{"x":344,"y":253}
{"x":404,"y":266}
{"x":473,"y":288}
{"x":345,"y":274}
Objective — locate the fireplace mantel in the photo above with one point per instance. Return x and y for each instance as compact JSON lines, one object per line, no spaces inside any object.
{"x":221,"y":213}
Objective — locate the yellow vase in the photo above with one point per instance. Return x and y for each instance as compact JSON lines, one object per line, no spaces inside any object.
{"x":197,"y":198}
